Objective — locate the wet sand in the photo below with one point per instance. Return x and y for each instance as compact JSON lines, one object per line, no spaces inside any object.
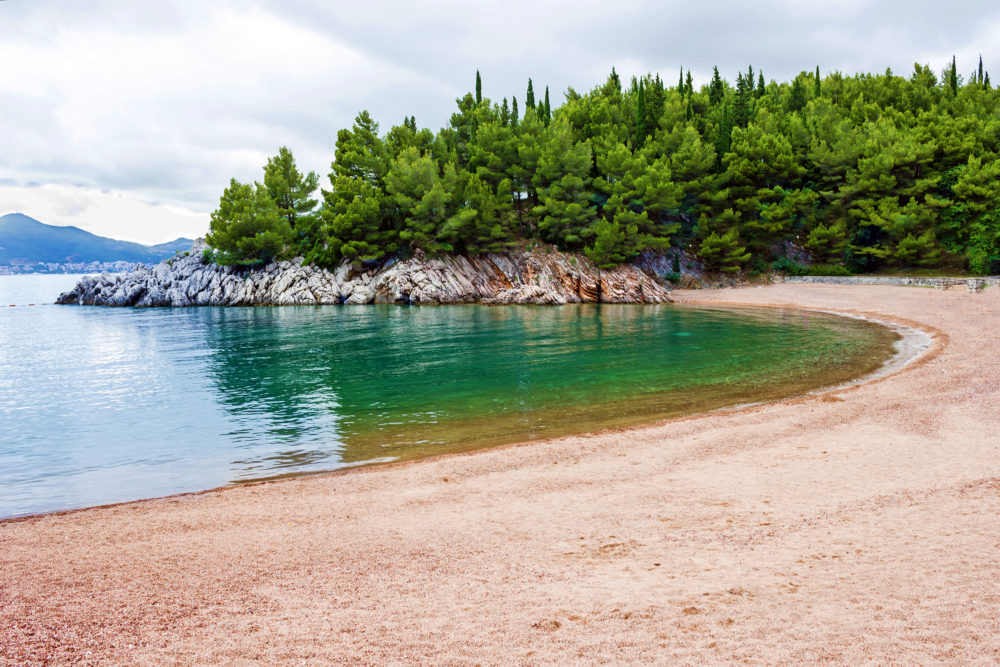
{"x":851,"y":526}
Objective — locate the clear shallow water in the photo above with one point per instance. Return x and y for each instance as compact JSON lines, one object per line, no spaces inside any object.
{"x":102,"y":405}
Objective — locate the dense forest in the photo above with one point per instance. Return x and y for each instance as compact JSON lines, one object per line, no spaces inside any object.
{"x":832,"y":174}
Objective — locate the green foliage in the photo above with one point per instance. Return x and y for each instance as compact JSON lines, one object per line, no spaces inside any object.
{"x":829,"y":270}
{"x":723,"y":252}
{"x":716,"y":89}
{"x":248,"y":227}
{"x":609,"y":247}
{"x":790,"y":267}
{"x":421,"y":197}
{"x":864,"y":171}
{"x":292,"y":191}
{"x":827,"y":242}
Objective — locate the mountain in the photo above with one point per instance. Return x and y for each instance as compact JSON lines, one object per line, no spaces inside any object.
{"x":26,"y":241}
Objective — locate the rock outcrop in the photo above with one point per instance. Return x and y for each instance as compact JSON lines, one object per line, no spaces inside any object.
{"x":540,"y":276}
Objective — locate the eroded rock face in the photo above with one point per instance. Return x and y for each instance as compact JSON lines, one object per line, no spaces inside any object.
{"x":542,"y":276}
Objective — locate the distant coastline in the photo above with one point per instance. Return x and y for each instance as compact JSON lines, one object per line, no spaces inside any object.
{"x":28,"y":246}
{"x":50,"y":268}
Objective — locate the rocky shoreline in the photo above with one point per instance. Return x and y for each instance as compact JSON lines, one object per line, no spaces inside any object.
{"x":539,"y":276}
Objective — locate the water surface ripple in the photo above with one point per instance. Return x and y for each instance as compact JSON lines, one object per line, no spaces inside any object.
{"x":101,"y":405}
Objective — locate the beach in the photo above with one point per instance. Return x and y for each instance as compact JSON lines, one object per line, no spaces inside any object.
{"x":854,"y":525}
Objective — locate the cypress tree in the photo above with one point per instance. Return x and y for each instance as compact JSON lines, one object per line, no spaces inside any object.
{"x":680,"y":82}
{"x":716,"y":89}
{"x":816,"y":85}
{"x":689,"y":84}
{"x":953,"y":77}
{"x":547,"y":113}
{"x":986,"y":81}
{"x":980,"y":79}
{"x":760,"y":85}
{"x":741,"y":108}
{"x":723,"y":138}
{"x":797,"y":97}
{"x":654,"y":101}
{"x":513,"y":113}
{"x":641,"y":117}
{"x":529,"y":98}
{"x":479,"y":88}
{"x":505,"y":113}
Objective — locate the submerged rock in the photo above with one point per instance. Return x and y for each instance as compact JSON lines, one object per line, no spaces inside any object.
{"x":540,"y":276}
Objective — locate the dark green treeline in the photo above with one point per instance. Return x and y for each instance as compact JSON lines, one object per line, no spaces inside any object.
{"x":859,"y":172}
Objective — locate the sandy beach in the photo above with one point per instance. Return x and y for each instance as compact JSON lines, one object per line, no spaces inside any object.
{"x":860,"y":525}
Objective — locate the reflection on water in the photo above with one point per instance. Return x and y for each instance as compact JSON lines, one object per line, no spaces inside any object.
{"x":101,"y":405}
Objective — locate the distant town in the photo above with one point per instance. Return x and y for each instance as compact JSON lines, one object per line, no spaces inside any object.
{"x":68,"y":267}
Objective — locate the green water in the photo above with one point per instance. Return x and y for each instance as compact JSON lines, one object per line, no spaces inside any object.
{"x":101,"y":405}
{"x":411,"y":382}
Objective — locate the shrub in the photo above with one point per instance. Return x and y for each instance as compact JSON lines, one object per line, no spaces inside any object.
{"x":790,"y":267}
{"x":829,"y":270}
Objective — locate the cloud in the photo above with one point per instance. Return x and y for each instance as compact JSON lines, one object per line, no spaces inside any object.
{"x":111,"y":214}
{"x":164,"y":102}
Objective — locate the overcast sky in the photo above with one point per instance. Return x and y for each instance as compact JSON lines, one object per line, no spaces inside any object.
{"x":128,"y":118}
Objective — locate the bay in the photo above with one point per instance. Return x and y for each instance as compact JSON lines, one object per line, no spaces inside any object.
{"x":102,"y":405}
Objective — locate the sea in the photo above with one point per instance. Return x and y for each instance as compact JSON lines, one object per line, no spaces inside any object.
{"x":104,"y":405}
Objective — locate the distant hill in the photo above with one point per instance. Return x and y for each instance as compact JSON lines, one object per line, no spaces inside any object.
{"x":26,"y":241}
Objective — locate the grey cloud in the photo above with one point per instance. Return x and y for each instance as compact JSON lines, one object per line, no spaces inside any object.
{"x":175,"y":131}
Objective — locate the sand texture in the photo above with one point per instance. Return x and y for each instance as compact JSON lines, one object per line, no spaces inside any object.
{"x":855,"y":526}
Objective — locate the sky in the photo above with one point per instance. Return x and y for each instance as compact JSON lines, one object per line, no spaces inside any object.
{"x":128,"y":119}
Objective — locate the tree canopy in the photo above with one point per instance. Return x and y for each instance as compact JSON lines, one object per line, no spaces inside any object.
{"x":867,"y":170}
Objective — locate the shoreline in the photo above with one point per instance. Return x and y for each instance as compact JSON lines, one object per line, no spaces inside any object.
{"x":913,"y":344}
{"x":850,"y":526}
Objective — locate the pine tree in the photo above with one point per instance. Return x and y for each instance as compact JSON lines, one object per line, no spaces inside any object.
{"x":723,"y":252}
{"x":986,"y":81}
{"x":479,"y":88}
{"x":529,"y":98}
{"x":817,"y":90}
{"x":288,"y":187}
{"x":616,"y":80}
{"x":355,"y":221}
{"x":827,"y":243}
{"x":248,"y":228}
{"x":716,"y":89}
{"x":608,"y":249}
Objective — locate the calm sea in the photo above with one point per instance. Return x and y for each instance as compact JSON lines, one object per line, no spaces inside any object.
{"x":100,"y":405}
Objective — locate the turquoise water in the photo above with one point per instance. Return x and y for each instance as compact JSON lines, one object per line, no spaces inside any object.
{"x":100,"y":405}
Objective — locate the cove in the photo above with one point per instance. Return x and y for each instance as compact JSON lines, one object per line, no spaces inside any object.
{"x":106,"y":405}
